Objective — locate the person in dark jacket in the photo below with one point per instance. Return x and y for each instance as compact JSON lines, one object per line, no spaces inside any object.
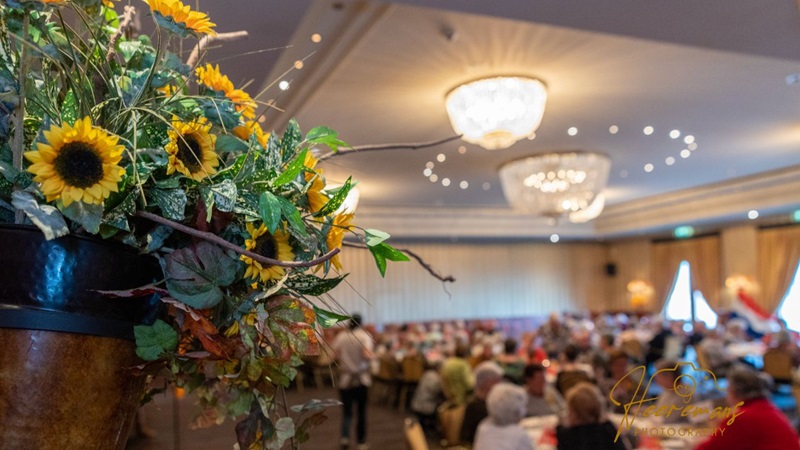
{"x":586,"y":427}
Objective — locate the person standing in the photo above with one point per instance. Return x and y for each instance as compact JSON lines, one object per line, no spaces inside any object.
{"x":353,"y":349}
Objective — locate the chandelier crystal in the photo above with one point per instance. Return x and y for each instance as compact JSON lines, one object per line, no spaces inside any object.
{"x":497,"y":112}
{"x":557,"y":184}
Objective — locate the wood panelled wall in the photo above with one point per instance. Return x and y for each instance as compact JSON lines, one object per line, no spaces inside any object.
{"x":513,"y":279}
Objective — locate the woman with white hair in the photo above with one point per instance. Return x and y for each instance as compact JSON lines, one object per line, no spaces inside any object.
{"x":501,"y":430}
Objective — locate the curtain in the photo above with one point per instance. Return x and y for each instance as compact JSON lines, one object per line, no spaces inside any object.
{"x":778,"y":256}
{"x":703,"y":257}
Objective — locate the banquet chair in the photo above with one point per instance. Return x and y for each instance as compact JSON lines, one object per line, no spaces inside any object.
{"x":634,"y":349}
{"x":450,"y":420}
{"x":387,"y":379}
{"x":411,"y":369}
{"x":778,"y":365}
{"x":415,"y":437}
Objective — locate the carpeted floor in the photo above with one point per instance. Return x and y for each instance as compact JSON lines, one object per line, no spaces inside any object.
{"x":169,"y":419}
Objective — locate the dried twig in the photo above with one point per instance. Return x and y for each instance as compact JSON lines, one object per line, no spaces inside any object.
{"x":124,"y":23}
{"x":425,"y":265}
{"x":208,"y":40}
{"x":18,"y":145}
{"x":225,"y":244}
{"x":373,"y":148}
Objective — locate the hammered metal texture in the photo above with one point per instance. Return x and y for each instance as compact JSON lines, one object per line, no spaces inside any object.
{"x":64,"y":391}
{"x":62,"y":274}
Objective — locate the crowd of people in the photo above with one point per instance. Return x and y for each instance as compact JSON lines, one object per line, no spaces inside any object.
{"x":577,"y":368}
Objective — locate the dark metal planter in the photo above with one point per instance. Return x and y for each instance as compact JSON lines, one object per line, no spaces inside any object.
{"x":65,"y":350}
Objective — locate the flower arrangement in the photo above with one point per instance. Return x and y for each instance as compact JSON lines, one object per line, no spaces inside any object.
{"x":108,"y":133}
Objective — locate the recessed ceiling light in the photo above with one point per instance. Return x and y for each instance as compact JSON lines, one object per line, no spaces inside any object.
{"x":554,"y":238}
{"x":316,"y":38}
{"x":464,"y":184}
{"x":298,"y":64}
{"x":427,"y":172}
{"x":445,"y":181}
{"x":283,"y":85}
{"x":440,"y":157}
{"x":752,"y":214}
{"x":462,"y":149}
{"x":434,"y":178}
{"x":675,"y":134}
{"x":429,"y":164}
{"x":688,"y":139}
{"x":487,"y":186}
{"x":613,"y":129}
{"x":572,"y":131}
{"x":669,"y":161}
{"x":692,"y":146}
{"x":648,"y":130}
{"x":648,"y":167}
{"x":685,"y":153}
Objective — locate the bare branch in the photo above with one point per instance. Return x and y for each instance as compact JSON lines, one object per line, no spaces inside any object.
{"x":124,"y":23}
{"x":425,"y":265}
{"x":211,"y":237}
{"x":373,"y":148}
{"x":209,"y":39}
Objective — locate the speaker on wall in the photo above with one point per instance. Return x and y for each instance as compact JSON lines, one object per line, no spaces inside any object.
{"x":611,"y":269}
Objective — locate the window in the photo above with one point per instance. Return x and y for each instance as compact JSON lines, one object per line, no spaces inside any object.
{"x":679,"y":301}
{"x":789,"y":310}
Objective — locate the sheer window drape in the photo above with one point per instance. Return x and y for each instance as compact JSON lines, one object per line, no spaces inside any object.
{"x":778,"y":255}
{"x":703,"y":257}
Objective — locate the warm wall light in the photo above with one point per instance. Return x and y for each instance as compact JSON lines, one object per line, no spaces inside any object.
{"x":557,"y":184}
{"x":641,"y":293}
{"x":497,"y":112}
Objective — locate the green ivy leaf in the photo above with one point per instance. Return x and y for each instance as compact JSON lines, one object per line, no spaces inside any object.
{"x":312,"y":285}
{"x":172,"y":202}
{"x":325,"y":136}
{"x":292,"y":170}
{"x":88,"y":216}
{"x":328,"y":318}
{"x":336,"y":201}
{"x":224,"y":195}
{"x":284,"y":430}
{"x":269,"y":207}
{"x":153,"y":340}
{"x":230,"y":144}
{"x":195,"y":274}
{"x":375,"y":237}
{"x":384,"y":251}
{"x":45,"y":217}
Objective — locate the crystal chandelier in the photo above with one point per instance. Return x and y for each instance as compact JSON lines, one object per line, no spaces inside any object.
{"x":497,"y":112}
{"x":557,"y":184}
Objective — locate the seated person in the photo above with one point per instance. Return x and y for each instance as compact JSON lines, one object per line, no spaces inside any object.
{"x":457,"y":379}
{"x":619,"y":381}
{"x":543,"y":400}
{"x":755,"y":424}
{"x":487,"y":374}
{"x":572,"y":372}
{"x":666,"y":377}
{"x":585,"y":426}
{"x":427,"y":397}
{"x":501,"y":430}
{"x":511,"y":362}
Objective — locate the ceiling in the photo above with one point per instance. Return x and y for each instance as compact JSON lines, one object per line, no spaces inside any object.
{"x":716,"y":70}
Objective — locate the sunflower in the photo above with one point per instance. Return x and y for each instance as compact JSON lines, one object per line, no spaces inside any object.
{"x":213,"y":79}
{"x":275,"y":246}
{"x":341,"y":224}
{"x":191,"y":149}
{"x":250,"y":128}
{"x":77,"y":163}
{"x":175,"y":12}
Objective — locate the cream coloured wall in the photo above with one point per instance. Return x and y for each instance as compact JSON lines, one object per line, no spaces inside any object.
{"x":497,"y":280}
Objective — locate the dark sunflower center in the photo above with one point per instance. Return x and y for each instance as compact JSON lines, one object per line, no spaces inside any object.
{"x":190,"y":153}
{"x":79,"y":165}
{"x":266,"y":246}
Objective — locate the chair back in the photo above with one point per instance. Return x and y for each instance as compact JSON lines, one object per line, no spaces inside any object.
{"x":415,"y":436}
{"x":633,"y":348}
{"x":387,"y":368}
{"x":778,"y":365}
{"x":450,"y":419}
{"x":412,"y":368}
